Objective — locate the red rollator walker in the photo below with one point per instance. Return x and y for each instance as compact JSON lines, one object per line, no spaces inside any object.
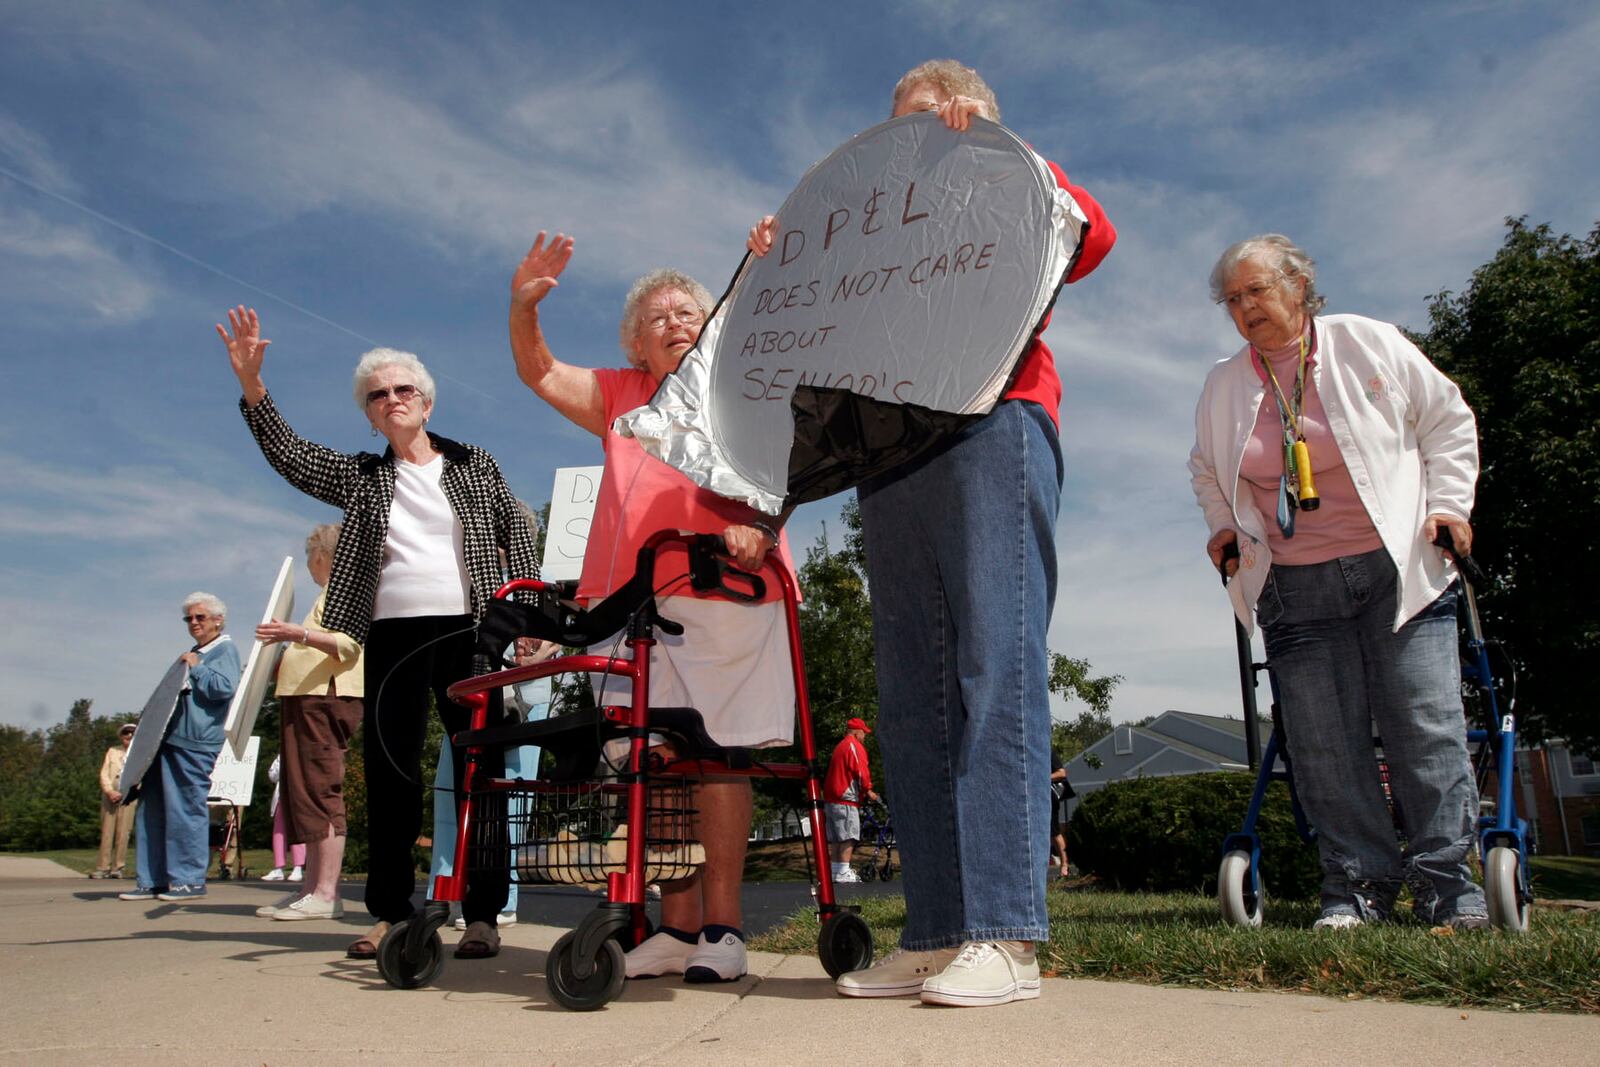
{"x":602,"y":816}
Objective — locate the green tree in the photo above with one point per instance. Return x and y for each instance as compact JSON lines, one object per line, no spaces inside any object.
{"x":60,"y":807}
{"x":21,"y":752}
{"x":1523,"y":343}
{"x":1071,"y":678}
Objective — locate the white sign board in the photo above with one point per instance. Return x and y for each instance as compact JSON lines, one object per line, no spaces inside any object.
{"x":910,"y":270}
{"x":233,"y":779}
{"x":262,"y":666}
{"x":571,"y":508}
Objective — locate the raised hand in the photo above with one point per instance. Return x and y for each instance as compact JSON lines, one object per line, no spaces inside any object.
{"x":761,"y":236}
{"x":537,"y":273}
{"x":246,"y":349}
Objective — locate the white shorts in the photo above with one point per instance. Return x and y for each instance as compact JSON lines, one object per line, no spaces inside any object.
{"x":731,"y":665}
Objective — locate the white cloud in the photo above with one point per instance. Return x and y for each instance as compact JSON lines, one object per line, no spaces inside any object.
{"x":68,"y":268}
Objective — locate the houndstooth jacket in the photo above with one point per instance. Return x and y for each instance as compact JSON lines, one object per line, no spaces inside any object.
{"x":362,"y":486}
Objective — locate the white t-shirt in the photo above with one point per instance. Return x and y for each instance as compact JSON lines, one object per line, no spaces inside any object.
{"x":423,"y":570}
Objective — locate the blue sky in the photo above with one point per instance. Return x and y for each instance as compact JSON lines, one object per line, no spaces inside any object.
{"x":370,"y":173}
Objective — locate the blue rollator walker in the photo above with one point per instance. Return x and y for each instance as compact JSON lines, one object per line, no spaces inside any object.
{"x":1502,"y":837}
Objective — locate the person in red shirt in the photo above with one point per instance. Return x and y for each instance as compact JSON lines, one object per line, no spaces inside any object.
{"x":849,"y":779}
{"x":961,"y":560}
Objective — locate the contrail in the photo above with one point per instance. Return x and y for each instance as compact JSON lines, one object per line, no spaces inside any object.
{"x":218,"y":271}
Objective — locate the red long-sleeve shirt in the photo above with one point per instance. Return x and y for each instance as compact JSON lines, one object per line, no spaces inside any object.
{"x":845,"y":770}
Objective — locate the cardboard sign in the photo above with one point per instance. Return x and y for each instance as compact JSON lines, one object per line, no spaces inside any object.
{"x":910,"y":271}
{"x":152,"y":730}
{"x":262,"y":666}
{"x":571,"y":509}
{"x":233,"y":779}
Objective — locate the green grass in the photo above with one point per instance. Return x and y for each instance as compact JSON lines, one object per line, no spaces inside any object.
{"x":1178,"y":939}
{"x":1566,"y":877}
{"x":257,"y":861}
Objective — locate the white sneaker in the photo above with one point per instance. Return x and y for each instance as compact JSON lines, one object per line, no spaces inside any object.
{"x":899,"y":974}
{"x":721,"y":961}
{"x":311,"y":907}
{"x":274,"y":875}
{"x":267,"y":911}
{"x":846,"y":876}
{"x":297,"y":875}
{"x":657,"y":955}
{"x":984,"y":973}
{"x":1341,"y":920}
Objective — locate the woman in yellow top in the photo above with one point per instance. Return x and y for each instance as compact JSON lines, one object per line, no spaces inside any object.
{"x":319,"y":694}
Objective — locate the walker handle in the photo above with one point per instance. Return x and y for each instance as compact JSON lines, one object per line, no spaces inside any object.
{"x":1470,"y":570}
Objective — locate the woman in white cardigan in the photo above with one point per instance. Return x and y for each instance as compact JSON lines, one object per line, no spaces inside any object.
{"x":1329,"y":452}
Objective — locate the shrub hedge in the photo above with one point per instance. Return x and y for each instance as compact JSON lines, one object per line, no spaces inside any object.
{"x":1165,"y":834}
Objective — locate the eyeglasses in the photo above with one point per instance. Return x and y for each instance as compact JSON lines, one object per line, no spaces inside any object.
{"x":1254,"y":292}
{"x":687,"y":316}
{"x":401,"y":393}
{"x":196,"y":618}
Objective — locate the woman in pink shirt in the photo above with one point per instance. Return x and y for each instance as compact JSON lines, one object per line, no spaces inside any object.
{"x":731,"y":664}
{"x":1329,"y":451}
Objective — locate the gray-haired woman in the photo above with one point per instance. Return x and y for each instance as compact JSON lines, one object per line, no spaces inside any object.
{"x":319,"y":690}
{"x":1329,"y":451}
{"x":172,"y":825}
{"x":413,"y":570}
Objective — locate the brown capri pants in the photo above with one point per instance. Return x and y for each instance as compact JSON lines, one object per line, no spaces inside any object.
{"x":316,"y":735}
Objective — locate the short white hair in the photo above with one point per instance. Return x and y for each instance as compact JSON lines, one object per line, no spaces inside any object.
{"x":650,"y":284}
{"x":210,"y":601}
{"x":1277,"y":253}
{"x":377,"y":359}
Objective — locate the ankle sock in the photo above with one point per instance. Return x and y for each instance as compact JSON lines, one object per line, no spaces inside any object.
{"x":679,"y":935}
{"x":715,"y":931}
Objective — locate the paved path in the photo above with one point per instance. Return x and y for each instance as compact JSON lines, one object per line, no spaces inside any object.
{"x":90,"y":979}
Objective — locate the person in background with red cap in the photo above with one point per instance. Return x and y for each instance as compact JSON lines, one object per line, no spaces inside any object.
{"x":849,"y":778}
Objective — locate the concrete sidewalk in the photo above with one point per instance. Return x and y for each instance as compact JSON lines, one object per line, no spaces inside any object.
{"x":91,"y":979}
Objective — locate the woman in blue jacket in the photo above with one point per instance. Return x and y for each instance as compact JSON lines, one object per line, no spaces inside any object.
{"x":172,"y":825}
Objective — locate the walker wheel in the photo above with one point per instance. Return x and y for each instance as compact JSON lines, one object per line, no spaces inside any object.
{"x":1241,"y":904}
{"x":603,"y":983}
{"x":1502,"y":884}
{"x":844,"y":943}
{"x":887,"y":873}
{"x":409,"y":973}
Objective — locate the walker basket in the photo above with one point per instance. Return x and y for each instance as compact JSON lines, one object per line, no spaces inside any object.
{"x":577,"y":833}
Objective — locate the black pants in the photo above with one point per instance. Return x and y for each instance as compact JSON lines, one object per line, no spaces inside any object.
{"x":405,"y":659}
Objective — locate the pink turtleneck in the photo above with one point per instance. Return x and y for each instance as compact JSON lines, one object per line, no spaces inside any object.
{"x":1340,"y":527}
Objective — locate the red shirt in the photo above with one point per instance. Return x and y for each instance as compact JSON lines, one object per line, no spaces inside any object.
{"x":849,"y":765}
{"x":1037,"y":378}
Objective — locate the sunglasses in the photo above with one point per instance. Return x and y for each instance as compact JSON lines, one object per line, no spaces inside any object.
{"x":401,"y":393}
{"x":196,"y":618}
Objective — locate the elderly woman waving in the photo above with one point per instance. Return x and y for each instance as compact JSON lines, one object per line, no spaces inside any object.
{"x":1329,"y":451}
{"x":732,"y":662}
{"x":413,"y":569}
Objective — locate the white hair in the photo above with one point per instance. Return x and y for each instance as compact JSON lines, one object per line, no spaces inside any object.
{"x":1278,"y":253}
{"x":210,"y":601}
{"x":654,"y":282}
{"x":377,"y":359}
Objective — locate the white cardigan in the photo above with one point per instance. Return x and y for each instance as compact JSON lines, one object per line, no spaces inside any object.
{"x":1408,"y":440}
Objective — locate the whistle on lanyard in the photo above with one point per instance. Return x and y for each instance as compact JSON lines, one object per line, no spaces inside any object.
{"x":1309,"y":501}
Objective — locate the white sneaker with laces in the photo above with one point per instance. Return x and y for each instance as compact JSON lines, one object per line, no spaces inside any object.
{"x":1341,"y":920}
{"x":847,"y":876}
{"x":274,"y":875}
{"x":720,"y":961}
{"x":310,"y":907}
{"x":297,"y":875}
{"x":267,"y":911}
{"x":656,"y":955}
{"x":899,"y":974}
{"x":982,"y":974}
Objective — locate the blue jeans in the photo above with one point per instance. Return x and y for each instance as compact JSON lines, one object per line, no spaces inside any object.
{"x":173,"y":826}
{"x":961,"y":565}
{"x":1342,"y":671}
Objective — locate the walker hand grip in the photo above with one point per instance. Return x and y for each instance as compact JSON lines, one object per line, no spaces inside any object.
{"x":1229,"y":551}
{"x":1470,"y":570}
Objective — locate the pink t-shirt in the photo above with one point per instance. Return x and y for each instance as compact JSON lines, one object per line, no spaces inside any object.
{"x":1341,"y":526}
{"x":639,"y":495}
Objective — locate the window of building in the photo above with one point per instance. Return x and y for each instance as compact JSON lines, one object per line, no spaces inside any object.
{"x":1582,"y":764}
{"x":1591,"y":829}
{"x":1122,"y":740}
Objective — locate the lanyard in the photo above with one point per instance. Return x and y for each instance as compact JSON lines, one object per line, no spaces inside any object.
{"x":1295,"y":486}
